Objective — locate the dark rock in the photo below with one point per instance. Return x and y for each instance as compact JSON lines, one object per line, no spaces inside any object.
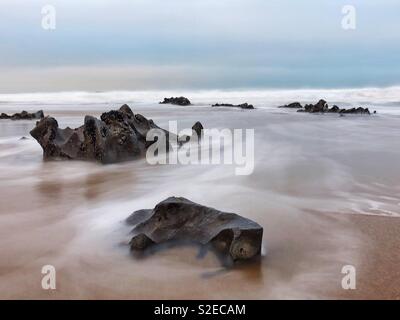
{"x":120,"y":135}
{"x":242,"y":106}
{"x":322,"y":107}
{"x":334,"y":109}
{"x":180,"y":101}
{"x":198,"y":129}
{"x":178,"y":219}
{"x":294,"y":105}
{"x":358,"y":110}
{"x":24,"y":115}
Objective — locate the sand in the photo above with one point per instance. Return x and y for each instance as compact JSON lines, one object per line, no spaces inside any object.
{"x":325,"y":189}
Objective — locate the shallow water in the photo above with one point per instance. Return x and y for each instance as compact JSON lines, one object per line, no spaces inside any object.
{"x":70,"y":214}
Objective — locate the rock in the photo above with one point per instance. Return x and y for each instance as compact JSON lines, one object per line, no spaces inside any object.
{"x":178,"y":219}
{"x":359,"y":110}
{"x":198,"y":129}
{"x":294,"y":105}
{"x":119,"y":135}
{"x":180,"y":101}
{"x":242,"y":106}
{"x":322,"y":107}
{"x":24,"y":115}
{"x":334,"y":109}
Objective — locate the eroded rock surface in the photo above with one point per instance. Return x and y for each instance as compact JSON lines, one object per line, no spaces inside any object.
{"x":180,"y":101}
{"x":24,"y":115}
{"x":118,"y":135}
{"x":294,"y":105}
{"x":179,"y":219}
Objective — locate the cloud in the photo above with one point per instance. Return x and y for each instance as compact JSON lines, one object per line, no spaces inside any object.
{"x":243,"y":39}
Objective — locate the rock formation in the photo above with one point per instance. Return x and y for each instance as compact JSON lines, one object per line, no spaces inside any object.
{"x":322,"y":107}
{"x":24,"y":115}
{"x":294,"y":105}
{"x":180,"y":101}
{"x":242,"y":106}
{"x":198,"y":129}
{"x":178,"y":219}
{"x":119,"y":135}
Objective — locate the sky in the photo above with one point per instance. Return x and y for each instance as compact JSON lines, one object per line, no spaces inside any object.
{"x":100,"y":45}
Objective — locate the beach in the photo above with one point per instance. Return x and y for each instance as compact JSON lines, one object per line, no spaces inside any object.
{"x":324,"y":188}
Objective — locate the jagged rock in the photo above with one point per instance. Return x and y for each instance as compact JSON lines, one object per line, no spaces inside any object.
{"x":322,"y":107}
{"x":198,"y":128}
{"x":120,"y":135}
{"x":242,"y":106}
{"x":334,"y":109}
{"x":180,"y":101}
{"x":294,"y":105}
{"x":178,"y":219}
{"x":24,"y":115}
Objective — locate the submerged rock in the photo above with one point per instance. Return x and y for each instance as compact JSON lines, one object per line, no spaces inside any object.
{"x":242,"y":106}
{"x":198,"y":129}
{"x":178,"y":219}
{"x":180,"y":101}
{"x":24,"y":115}
{"x":294,"y":105}
{"x":119,"y":135}
{"x":322,"y":107}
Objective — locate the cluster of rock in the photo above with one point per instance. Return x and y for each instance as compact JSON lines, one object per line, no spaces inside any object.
{"x":242,"y":106}
{"x":118,"y":135}
{"x":178,"y":219}
{"x":24,"y":115}
{"x":322,"y":107}
{"x":180,"y":101}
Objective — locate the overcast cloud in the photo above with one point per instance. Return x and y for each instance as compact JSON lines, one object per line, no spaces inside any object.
{"x":151,"y":44}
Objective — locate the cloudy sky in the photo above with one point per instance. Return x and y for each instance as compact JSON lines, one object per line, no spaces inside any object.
{"x":160,"y":44}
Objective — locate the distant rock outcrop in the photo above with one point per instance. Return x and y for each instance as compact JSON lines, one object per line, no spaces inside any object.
{"x":322,"y":107}
{"x":242,"y":106}
{"x":180,"y":101}
{"x":294,"y":105}
{"x":24,"y":115}
{"x":119,"y":135}
{"x":178,"y":219}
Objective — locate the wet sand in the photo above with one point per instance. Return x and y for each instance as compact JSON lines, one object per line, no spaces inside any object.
{"x":325,"y":190}
{"x":302,"y":259}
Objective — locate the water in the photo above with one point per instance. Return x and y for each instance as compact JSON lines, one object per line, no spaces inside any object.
{"x":70,"y":214}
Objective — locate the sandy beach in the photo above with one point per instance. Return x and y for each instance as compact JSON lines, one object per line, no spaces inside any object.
{"x":324,"y":188}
